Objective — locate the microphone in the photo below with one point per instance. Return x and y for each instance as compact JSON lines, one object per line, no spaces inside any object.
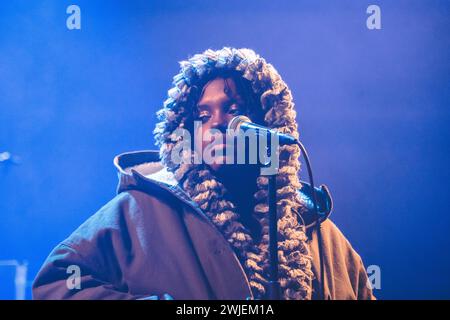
{"x":244,"y":123}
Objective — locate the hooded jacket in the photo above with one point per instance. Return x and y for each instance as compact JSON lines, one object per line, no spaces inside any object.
{"x":152,"y":239}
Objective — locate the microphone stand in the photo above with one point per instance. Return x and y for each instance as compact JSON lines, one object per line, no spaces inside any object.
{"x":238,"y":122}
{"x":274,"y":291}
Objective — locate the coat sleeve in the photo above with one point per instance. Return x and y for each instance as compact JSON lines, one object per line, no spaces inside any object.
{"x":92,"y":262}
{"x":364,"y":290}
{"x":57,"y":279}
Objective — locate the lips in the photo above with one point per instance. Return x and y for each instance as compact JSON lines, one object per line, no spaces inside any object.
{"x":223,"y":156}
{"x":219,"y":147}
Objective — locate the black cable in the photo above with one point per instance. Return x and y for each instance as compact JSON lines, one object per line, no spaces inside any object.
{"x":319,"y":221}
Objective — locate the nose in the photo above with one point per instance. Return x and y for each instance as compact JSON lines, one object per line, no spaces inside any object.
{"x":221,"y":122}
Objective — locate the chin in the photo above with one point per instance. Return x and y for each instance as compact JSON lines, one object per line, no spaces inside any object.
{"x":217,"y":167}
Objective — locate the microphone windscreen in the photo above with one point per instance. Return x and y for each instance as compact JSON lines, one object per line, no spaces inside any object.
{"x":236,"y":122}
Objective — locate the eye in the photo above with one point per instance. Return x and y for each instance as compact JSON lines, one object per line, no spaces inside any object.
{"x":204,"y":116}
{"x":234,"y":109}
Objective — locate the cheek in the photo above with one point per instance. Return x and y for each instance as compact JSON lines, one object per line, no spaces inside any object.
{"x":229,"y":117}
{"x":200,"y":137}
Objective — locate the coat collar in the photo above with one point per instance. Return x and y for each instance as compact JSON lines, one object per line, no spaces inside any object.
{"x":143,"y":169}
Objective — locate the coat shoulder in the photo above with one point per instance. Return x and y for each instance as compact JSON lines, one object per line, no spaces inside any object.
{"x":338,"y":242}
{"x":119,"y":216}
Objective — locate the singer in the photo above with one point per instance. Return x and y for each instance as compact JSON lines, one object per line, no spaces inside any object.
{"x":199,"y":229}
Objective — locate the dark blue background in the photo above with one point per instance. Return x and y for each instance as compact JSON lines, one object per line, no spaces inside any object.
{"x":373,"y":110}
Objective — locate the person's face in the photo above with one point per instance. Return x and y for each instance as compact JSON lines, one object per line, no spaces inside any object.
{"x":219,"y":103}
